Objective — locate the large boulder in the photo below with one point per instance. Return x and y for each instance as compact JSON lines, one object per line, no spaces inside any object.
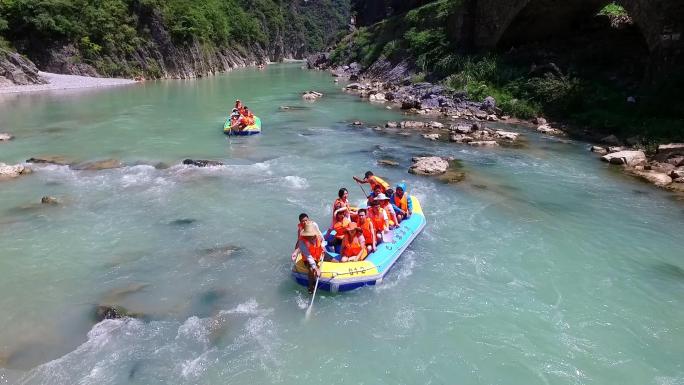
{"x":13,"y":171}
{"x":489,"y":104}
{"x":599,"y":150}
{"x":318,"y":61}
{"x":16,"y":69}
{"x":629,"y":158}
{"x":429,"y":165}
{"x":48,"y":200}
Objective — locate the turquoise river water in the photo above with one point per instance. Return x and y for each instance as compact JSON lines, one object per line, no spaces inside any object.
{"x":545,"y":266}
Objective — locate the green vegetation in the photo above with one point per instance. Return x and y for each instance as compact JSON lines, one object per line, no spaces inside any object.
{"x":613,"y":10}
{"x":109,"y":33}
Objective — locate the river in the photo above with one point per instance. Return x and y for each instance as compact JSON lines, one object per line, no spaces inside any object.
{"x":544,"y":266}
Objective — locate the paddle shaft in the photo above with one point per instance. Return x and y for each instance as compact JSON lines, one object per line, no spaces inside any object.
{"x":362,"y":189}
{"x":313,"y":297}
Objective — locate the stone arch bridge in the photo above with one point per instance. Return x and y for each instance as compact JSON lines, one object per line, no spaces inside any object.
{"x":488,"y":23}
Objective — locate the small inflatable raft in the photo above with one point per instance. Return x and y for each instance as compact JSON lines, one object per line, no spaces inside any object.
{"x":344,"y":276}
{"x":249,"y":130}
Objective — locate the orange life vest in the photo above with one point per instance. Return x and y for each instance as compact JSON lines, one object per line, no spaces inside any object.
{"x":378,"y":219}
{"x":377,"y":181}
{"x":402,"y":202}
{"x":351,"y":248}
{"x":367,"y":232}
{"x":316,"y":249}
{"x":339,"y":203}
{"x":341,"y":227}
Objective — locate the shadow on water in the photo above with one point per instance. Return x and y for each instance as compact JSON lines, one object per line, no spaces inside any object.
{"x":668,"y":270}
{"x":183,"y":222}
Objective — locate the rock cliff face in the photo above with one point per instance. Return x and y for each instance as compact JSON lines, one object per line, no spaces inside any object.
{"x":372,"y":11}
{"x":16,"y":69}
{"x":154,"y":39}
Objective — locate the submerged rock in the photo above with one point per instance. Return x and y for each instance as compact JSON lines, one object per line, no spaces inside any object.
{"x":50,"y":159}
{"x":507,"y":135}
{"x":429,"y":165}
{"x":387,"y":162}
{"x":116,"y":295}
{"x":48,"y":200}
{"x":546,"y":129}
{"x":103,"y":312}
{"x":202,"y":163}
{"x":98,"y":165}
{"x":431,"y":136}
{"x":183,"y":222}
{"x":483,"y":143}
{"x":311,"y":95}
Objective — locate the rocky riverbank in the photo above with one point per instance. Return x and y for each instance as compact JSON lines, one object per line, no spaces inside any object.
{"x":467,"y":119}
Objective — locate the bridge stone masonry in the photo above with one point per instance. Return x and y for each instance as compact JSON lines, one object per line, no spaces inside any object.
{"x":494,"y":22}
{"x":482,"y":25}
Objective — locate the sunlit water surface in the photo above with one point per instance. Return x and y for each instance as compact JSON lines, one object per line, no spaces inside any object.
{"x":543,"y":267}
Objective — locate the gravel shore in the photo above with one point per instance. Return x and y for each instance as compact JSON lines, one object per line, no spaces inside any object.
{"x":66,"y":82}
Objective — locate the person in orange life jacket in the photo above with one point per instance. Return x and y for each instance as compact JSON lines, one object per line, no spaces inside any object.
{"x":238,"y":105}
{"x":385,"y":204}
{"x":373,"y":181}
{"x":401,"y":202}
{"x":249,"y":115}
{"x":366,"y":226}
{"x":303,"y":220}
{"x":353,"y":245}
{"x":377,"y":191}
{"x":341,"y":202}
{"x":339,"y":226}
{"x":379,"y":218}
{"x":311,"y":248}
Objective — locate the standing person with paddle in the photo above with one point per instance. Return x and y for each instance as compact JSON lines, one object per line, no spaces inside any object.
{"x":373,"y":181}
{"x":311,"y":248}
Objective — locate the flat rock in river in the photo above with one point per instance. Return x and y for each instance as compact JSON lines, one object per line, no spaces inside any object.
{"x":13,"y":171}
{"x":657,"y":178}
{"x":4,"y":137}
{"x":429,"y":165}
{"x":202,"y":163}
{"x":50,"y":159}
{"x":630,"y":158}
{"x":99,"y":165}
